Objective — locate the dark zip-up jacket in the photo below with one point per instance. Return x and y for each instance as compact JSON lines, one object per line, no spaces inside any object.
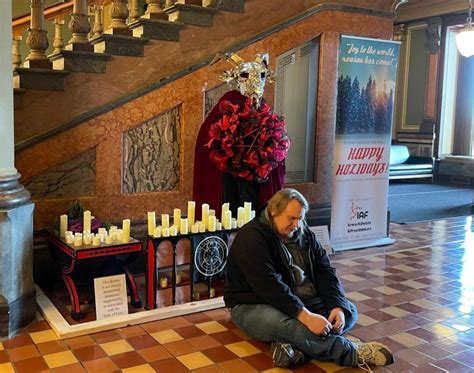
{"x":257,"y":271}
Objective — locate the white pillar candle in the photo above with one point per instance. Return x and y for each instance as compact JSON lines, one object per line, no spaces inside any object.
{"x":183,"y":226}
{"x":227,"y":221}
{"x":247,"y":209}
{"x":77,"y":234}
{"x":205,"y":213}
{"x":173,"y":231}
{"x":102,"y":230}
{"x":211,"y":223}
{"x":63,"y":219}
{"x":212,"y":293}
{"x":240,"y":223}
{"x":77,"y":241}
{"x":87,"y":239}
{"x":218,"y":226}
{"x":120,"y":236}
{"x":70,"y":239}
{"x":109,"y":240}
{"x":125,"y":230}
{"x":165,"y":232}
{"x":157,"y":232}
{"x":191,"y":210}
{"x":113,"y":228}
{"x":225,"y":208}
{"x":163,"y":282}
{"x":96,"y":241}
{"x":178,"y":279}
{"x":252,"y":214}
{"x":151,"y":222}
{"x":165,"y":220}
{"x":176,"y":217}
{"x":234,"y":223}
{"x":195,"y":228}
{"x":202,"y":227}
{"x":86,"y":223}
{"x":240,"y":213}
{"x":212,"y":212}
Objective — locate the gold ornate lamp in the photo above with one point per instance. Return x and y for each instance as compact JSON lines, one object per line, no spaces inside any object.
{"x":465,"y":37}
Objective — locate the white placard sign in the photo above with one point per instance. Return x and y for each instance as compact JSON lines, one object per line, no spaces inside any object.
{"x":322,"y":235}
{"x":110,"y":296}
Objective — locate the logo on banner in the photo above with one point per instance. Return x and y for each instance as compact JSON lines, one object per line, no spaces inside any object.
{"x":210,"y":256}
{"x":358,"y":212}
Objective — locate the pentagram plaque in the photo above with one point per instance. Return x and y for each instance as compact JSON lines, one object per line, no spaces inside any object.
{"x":210,"y":255}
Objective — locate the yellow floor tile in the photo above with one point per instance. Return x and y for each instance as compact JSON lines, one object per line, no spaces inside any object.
{"x":242,"y":349}
{"x":407,"y":340}
{"x":44,"y":336}
{"x":166,"y":336}
{"x":366,"y":320}
{"x":277,"y":370}
{"x":395,"y":311}
{"x":60,"y":359}
{"x":7,"y":368}
{"x":414,"y":284}
{"x":356,"y":296}
{"x":116,"y":347}
{"x":424,"y":304}
{"x":379,"y":272}
{"x":440,"y":329}
{"x":1,"y":346}
{"x":352,"y":278}
{"x":145,"y":368}
{"x":387,"y":290}
{"x":195,"y":360}
{"x":211,"y":327}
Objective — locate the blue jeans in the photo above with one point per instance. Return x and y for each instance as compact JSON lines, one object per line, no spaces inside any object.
{"x":267,"y":324}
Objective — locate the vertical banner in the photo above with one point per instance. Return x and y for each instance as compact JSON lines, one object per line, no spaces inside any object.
{"x":365,"y":101}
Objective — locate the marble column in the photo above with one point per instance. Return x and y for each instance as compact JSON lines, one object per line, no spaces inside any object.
{"x":17,"y":294}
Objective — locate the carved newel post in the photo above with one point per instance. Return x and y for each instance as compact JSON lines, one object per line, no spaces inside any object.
{"x":37,"y":40}
{"x":133,"y":11}
{"x":154,"y":10}
{"x":79,"y":27}
{"x":98,"y":27}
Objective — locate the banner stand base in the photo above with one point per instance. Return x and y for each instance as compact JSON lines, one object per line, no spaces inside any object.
{"x":352,"y":245}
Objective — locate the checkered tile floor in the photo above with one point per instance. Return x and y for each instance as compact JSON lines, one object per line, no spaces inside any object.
{"x":416,"y":296}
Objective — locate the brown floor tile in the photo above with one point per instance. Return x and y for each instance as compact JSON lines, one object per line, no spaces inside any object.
{"x":32,"y":365}
{"x":142,"y":341}
{"x":52,"y":347}
{"x":189,"y":331}
{"x":465,"y":357}
{"x":4,"y":357}
{"x":128,"y":359}
{"x":209,"y":369}
{"x":226,"y":337}
{"x":73,"y":368}
{"x":260,"y":362}
{"x":79,"y":342}
{"x":100,"y":366}
{"x":168,"y":366}
{"x":262,"y":346}
{"x":219,"y":354}
{"x":452,"y":366}
{"x":107,"y":336}
{"x":131,"y":331}
{"x":179,"y":348}
{"x":38,"y":326}
{"x":203,"y":342}
{"x":20,"y":340}
{"x":22,"y":353}
{"x":88,"y":353}
{"x":154,"y":353}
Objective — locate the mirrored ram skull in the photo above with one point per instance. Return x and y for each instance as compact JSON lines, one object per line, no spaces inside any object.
{"x":248,"y":77}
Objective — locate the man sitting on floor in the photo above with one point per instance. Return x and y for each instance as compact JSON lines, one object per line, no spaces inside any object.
{"x":281,"y":288}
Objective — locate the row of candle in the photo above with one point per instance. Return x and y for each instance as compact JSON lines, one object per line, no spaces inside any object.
{"x":163,"y":282}
{"x":102,"y":236}
{"x":208,"y":223}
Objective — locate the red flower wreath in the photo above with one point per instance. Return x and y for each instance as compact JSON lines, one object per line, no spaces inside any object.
{"x":248,"y":142}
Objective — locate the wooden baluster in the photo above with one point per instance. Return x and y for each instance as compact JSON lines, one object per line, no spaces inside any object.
{"x":153,"y":10}
{"x":79,"y":27}
{"x":58,"y":42}
{"x":169,"y":3}
{"x":37,"y":41}
{"x":133,"y":11}
{"x":16,"y":55}
{"x":98,"y":27}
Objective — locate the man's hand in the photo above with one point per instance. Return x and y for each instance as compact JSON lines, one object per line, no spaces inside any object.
{"x":337,"y":319}
{"x":317,"y":324}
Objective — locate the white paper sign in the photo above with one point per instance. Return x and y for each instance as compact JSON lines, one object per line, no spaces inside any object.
{"x":110,"y":296}
{"x":322,"y":235}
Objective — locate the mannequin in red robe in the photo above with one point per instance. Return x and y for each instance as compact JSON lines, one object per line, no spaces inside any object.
{"x":215,"y":187}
